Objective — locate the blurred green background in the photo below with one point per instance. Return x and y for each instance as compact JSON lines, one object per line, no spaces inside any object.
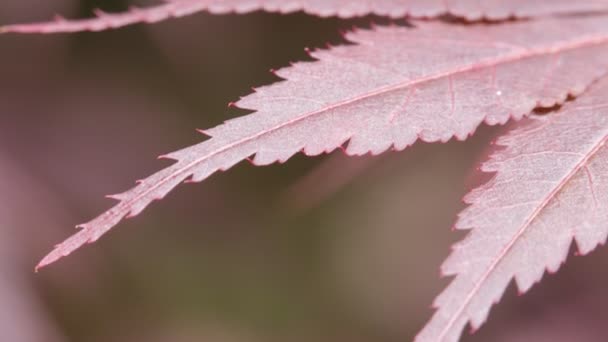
{"x":317,"y":249}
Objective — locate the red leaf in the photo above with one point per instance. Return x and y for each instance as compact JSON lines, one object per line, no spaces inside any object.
{"x":397,"y":85}
{"x":550,"y":187}
{"x":468,"y":9}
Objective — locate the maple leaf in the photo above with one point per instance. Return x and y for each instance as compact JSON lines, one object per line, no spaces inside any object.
{"x":395,"y":86}
{"x":468,"y":9}
{"x":550,"y":187}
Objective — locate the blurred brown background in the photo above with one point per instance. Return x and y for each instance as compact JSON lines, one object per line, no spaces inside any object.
{"x":323,"y":249}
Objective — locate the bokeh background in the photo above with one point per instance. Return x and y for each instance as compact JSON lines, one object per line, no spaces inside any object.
{"x":318,"y":249}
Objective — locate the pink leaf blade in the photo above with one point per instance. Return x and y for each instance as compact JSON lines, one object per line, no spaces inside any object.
{"x":550,"y":188}
{"x":131,"y":203}
{"x":397,"y":85}
{"x":469,"y":9}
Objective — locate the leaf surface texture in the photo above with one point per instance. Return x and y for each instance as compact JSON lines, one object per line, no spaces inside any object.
{"x":395,"y":86}
{"x":550,"y":187}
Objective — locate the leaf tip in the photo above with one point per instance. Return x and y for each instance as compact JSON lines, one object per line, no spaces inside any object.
{"x":99,"y":12}
{"x":111,"y":196}
{"x":47,"y":260}
{"x":165,"y":157}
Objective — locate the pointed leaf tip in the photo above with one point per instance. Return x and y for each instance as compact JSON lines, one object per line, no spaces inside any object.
{"x":384,"y":94}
